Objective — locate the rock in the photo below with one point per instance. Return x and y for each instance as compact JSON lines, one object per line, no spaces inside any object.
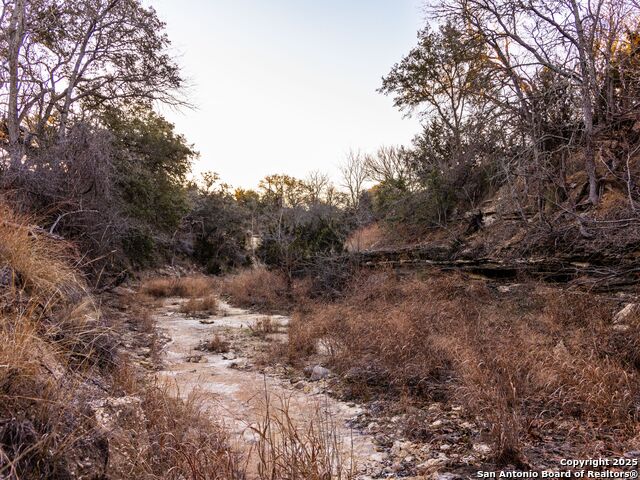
{"x":117,"y":290}
{"x":430,"y":465}
{"x":318,"y":373}
{"x":196,"y":359}
{"x":399,"y":448}
{"x":377,"y":457}
{"x":124,"y":421}
{"x":383,"y":440}
{"x":623,"y":314}
{"x":445,"y":476}
{"x":481,"y":448}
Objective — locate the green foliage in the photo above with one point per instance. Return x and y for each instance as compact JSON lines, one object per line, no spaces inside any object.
{"x":447,"y":77}
{"x":441,"y":74}
{"x":295,"y":236}
{"x":139,"y":246}
{"x":152,"y":162}
{"x":219,"y":226}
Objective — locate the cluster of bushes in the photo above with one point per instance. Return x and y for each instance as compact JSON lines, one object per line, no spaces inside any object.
{"x":516,"y":360}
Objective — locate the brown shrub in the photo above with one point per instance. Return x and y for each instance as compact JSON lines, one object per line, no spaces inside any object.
{"x":263,"y":326}
{"x":215,"y":344}
{"x":33,"y":265}
{"x":187,"y":287}
{"x":208,"y":304}
{"x":366,"y":238}
{"x":293,"y":448}
{"x":512,"y":358}
{"x":257,"y":288}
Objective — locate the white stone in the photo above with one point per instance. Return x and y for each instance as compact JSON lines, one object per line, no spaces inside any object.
{"x":318,"y":373}
{"x":482,"y":448}
{"x":625,"y":312}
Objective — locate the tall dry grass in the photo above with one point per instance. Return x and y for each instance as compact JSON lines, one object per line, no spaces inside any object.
{"x":71,"y":404}
{"x":516,"y":359}
{"x":261,"y":289}
{"x":184,"y":441}
{"x":187,"y":287}
{"x":208,"y":304}
{"x":51,"y":338}
{"x":34,"y":267}
{"x":308,"y":448}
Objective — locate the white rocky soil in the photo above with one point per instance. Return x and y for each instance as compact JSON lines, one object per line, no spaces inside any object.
{"x":234,"y":390}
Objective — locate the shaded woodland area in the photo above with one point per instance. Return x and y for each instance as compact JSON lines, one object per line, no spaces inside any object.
{"x":529,"y":107}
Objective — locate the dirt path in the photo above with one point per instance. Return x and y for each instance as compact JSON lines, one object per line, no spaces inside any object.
{"x":234,"y":390}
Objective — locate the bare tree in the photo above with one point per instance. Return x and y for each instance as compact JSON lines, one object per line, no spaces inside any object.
{"x":567,"y":37}
{"x":316,"y":183}
{"x":390,"y":164}
{"x":354,"y":175}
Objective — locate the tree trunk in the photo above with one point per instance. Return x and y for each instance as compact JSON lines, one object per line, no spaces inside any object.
{"x":587,"y":84}
{"x":16,"y":37}
{"x":590,"y":167}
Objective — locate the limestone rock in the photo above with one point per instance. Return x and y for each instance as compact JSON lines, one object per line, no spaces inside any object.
{"x":625,"y":313}
{"x":318,"y":373}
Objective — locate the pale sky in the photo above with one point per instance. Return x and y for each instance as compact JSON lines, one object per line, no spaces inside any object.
{"x":288,"y":86}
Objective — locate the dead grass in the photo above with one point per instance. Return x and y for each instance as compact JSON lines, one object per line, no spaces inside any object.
{"x":71,"y":406}
{"x":33,"y":266}
{"x":305,"y":449}
{"x":258,"y":288}
{"x":186,"y":287}
{"x":51,"y":339}
{"x":183,"y":440}
{"x":208,"y":304}
{"x":517,"y":360}
{"x":262,"y":327}
{"x":366,"y":238}
{"x":215,"y":344}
